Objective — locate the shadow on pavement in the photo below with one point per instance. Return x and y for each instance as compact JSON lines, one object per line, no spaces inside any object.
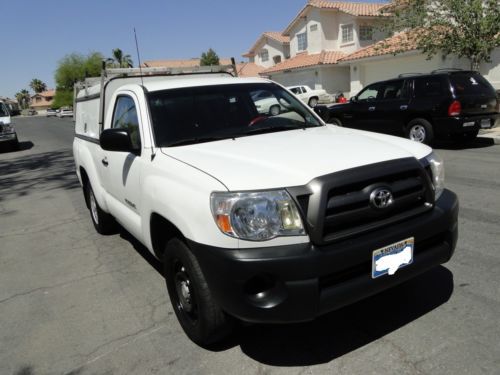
{"x":350,"y":328}
{"x":38,"y":172}
{"x":23,"y":146}
{"x":479,"y":142}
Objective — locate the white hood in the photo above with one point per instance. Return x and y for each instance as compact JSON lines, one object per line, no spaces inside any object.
{"x":292,"y":158}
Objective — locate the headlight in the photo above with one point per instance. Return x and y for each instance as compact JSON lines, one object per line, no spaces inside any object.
{"x":437,"y":168}
{"x":256,"y":216}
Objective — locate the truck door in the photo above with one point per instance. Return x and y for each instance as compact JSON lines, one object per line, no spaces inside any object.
{"x":123,"y":169}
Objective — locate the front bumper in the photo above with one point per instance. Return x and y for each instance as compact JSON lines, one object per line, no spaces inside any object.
{"x":297,"y":283}
{"x":8,"y":137}
{"x":460,"y":125}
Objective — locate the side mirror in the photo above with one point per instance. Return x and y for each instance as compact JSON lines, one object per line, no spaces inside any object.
{"x":116,"y":140}
{"x":354,"y":99}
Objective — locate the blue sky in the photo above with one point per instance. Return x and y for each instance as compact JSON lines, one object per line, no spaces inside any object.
{"x":37,"y":34}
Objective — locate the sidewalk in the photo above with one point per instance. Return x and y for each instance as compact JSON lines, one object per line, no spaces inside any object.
{"x":491,"y":133}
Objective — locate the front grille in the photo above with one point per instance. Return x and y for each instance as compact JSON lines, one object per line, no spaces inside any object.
{"x":339,"y":207}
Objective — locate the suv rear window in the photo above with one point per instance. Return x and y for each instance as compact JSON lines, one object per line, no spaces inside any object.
{"x":470,"y":84}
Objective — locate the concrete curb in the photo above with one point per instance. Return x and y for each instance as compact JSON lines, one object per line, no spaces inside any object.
{"x":491,"y":134}
{"x":496,"y":140}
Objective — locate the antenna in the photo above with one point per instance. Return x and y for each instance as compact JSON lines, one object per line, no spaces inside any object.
{"x":138,"y":56}
{"x":153,"y":154}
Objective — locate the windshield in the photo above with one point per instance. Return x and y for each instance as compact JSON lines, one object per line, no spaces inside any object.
{"x":3,"y":110}
{"x":207,"y":113}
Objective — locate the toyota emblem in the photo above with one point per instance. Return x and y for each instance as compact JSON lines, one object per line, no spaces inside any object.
{"x":381,"y":198}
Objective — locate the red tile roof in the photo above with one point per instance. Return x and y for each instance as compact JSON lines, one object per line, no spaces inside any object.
{"x":349,"y":7}
{"x":249,"y":69}
{"x":303,"y":60}
{"x":401,"y":42}
{"x":275,"y":35}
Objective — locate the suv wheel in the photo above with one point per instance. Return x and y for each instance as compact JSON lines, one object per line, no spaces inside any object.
{"x":420,"y":130}
{"x":103,"y":222}
{"x":199,"y":316}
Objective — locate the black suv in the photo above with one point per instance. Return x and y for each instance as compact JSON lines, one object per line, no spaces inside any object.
{"x":443,"y":104}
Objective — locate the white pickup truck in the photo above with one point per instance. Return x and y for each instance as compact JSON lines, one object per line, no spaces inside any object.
{"x":258,"y":217}
{"x":310,"y":96}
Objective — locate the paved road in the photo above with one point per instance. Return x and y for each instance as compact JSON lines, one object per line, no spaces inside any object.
{"x":74,"y":302}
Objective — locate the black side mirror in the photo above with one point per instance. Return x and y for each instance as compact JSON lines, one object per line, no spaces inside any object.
{"x":354,"y":99}
{"x":116,"y":140}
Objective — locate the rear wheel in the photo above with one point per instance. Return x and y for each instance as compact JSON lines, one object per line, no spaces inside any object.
{"x":313,"y":102}
{"x":420,"y":130}
{"x":103,"y":222}
{"x":200,"y":317}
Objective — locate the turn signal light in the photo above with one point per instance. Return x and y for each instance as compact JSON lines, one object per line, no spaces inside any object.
{"x":455,"y":108}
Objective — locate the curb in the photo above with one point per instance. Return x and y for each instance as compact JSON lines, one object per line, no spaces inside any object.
{"x":496,"y":140}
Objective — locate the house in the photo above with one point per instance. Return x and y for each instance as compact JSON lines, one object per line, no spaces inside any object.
{"x":336,"y":46}
{"x":321,"y":34}
{"x":245,"y":69}
{"x":42,"y":100}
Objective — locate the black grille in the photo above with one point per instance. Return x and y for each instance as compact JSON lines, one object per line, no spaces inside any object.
{"x":339,"y":204}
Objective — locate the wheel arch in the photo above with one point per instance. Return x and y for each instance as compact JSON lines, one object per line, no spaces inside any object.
{"x":161,"y":231}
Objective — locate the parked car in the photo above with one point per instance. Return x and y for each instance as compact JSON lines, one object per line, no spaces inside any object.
{"x":8,"y":135}
{"x":310,"y":96}
{"x":65,"y":112}
{"x":256,"y":217}
{"x":51,"y":112}
{"x":266,"y":103}
{"x":443,"y":104}
{"x":32,"y":112}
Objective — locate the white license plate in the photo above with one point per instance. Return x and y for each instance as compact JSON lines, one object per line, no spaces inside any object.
{"x":486,"y":123}
{"x":387,"y":260}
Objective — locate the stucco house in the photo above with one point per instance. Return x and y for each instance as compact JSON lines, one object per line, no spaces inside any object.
{"x":335,"y":45}
{"x":42,"y":100}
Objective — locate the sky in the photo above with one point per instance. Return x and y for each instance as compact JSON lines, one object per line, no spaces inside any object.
{"x":38,"y":34}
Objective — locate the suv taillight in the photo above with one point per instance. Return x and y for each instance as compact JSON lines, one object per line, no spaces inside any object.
{"x":455,"y":108}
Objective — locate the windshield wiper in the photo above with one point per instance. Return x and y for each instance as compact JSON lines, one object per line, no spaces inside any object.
{"x":270,"y":129}
{"x":190,"y":141}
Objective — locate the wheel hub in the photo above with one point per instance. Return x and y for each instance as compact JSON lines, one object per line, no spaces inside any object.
{"x":183,"y":286}
{"x":93,"y":207}
{"x":417,"y":133}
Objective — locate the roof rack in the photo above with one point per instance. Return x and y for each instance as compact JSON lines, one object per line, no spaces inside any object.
{"x":409,"y":75}
{"x":149,"y":71}
{"x":444,"y":70}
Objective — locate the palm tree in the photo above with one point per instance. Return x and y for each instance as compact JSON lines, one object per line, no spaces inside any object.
{"x":23,"y":98}
{"x":37,"y":86}
{"x":119,"y":60}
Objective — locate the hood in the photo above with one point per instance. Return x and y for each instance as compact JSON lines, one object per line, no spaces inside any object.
{"x":292,"y":158}
{"x":4,"y":120}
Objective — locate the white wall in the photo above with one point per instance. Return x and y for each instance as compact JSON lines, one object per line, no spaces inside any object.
{"x":492,"y":70}
{"x":274,"y":48}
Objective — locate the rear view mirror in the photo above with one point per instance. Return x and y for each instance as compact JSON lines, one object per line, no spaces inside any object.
{"x":116,"y":140}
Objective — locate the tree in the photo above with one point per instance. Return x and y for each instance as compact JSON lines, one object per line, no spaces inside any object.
{"x":466,"y":28}
{"x":23,"y":98}
{"x":37,"y":86}
{"x":119,"y":60}
{"x":73,"y":68}
{"x":209,"y":58}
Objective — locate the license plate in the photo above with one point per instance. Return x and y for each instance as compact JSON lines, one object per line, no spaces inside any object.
{"x":387,"y":260}
{"x":486,"y":123}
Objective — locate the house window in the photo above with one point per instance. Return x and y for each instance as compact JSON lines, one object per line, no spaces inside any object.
{"x":302,"y":41}
{"x":314,"y":27}
{"x":264,"y":55}
{"x":365,"y":32}
{"x":277,"y":59}
{"x":347,"y":33}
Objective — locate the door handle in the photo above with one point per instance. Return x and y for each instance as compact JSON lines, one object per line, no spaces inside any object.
{"x":371,"y":108}
{"x":403,"y":107}
{"x":105,"y":162}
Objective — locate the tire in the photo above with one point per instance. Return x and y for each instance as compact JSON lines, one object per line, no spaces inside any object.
{"x":274,"y":110}
{"x":313,"y":102}
{"x":420,"y":130}
{"x":200,"y":317}
{"x":103,"y":222}
{"x":335,"y":121}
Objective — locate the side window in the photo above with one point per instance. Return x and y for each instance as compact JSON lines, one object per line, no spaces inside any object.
{"x":125,"y":117}
{"x":392,"y":90}
{"x":370,"y":93}
{"x":295,"y":90}
{"x":428,"y":86}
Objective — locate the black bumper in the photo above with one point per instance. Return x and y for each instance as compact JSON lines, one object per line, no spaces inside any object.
{"x":297,"y":283}
{"x":459,"y":125}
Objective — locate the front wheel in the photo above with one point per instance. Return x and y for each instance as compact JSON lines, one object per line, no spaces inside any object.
{"x":200,"y":317}
{"x":420,"y":130}
{"x":103,"y":222}
{"x":313,"y":102}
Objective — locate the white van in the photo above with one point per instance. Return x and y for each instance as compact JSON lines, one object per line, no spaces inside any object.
{"x":7,"y":131}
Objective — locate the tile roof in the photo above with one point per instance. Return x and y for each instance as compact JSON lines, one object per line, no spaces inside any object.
{"x":48,"y":93}
{"x":349,"y":7}
{"x":303,"y":60}
{"x":249,"y":69}
{"x":401,"y":42}
{"x":275,"y":35}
